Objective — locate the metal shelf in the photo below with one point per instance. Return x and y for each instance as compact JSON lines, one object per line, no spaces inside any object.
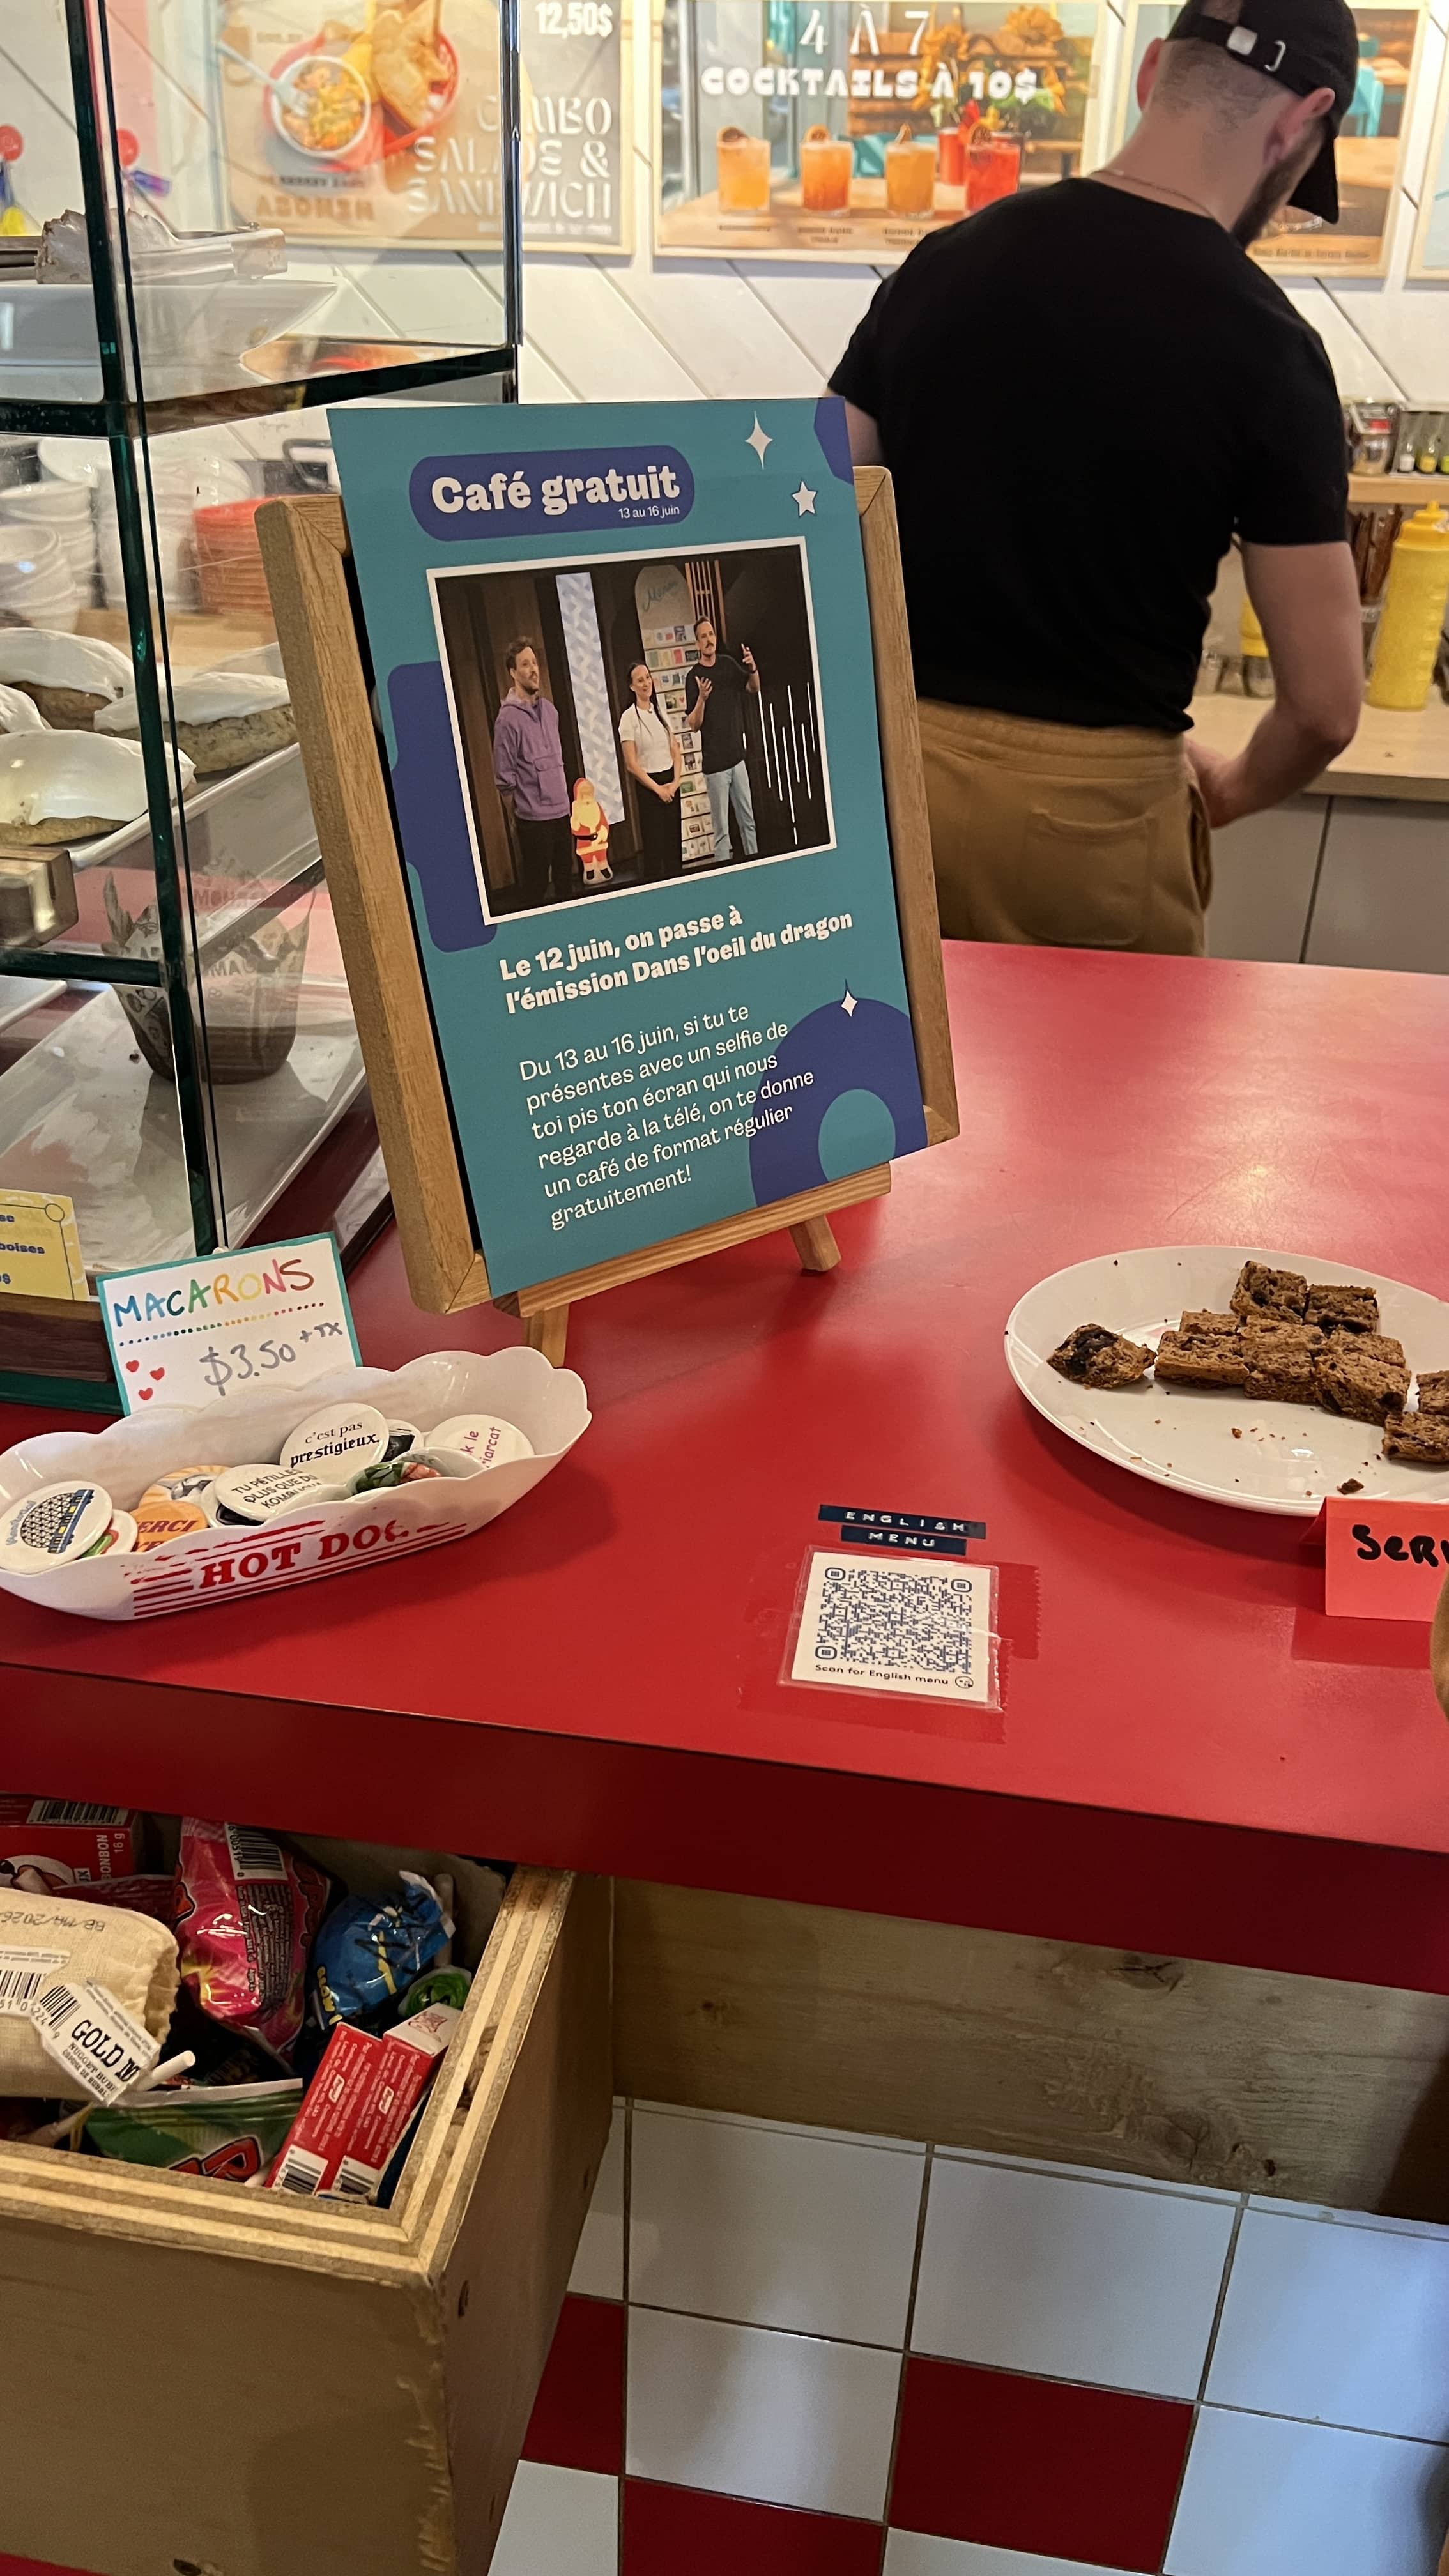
{"x":43,"y":416}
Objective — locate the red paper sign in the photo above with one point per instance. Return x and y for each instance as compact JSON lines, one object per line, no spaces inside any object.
{"x":1384,"y":1560}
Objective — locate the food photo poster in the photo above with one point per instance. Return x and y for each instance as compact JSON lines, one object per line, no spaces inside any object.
{"x":1369,"y":153}
{"x":378,"y":124}
{"x":625,"y":682}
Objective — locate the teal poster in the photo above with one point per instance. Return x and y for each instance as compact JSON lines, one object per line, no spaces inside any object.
{"x":624,"y":678}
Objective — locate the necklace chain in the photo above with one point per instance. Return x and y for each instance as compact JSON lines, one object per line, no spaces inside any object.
{"x":1155,"y":188}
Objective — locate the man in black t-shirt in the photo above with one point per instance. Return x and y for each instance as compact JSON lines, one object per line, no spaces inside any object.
{"x":715,"y":708}
{"x":1164,"y":398}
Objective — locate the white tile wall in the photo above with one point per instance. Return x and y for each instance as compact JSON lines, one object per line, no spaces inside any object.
{"x":750,"y":2220}
{"x":1097,"y":2281}
{"x":910,"y":2553}
{"x":1263,"y":2497}
{"x":598,"y":2271}
{"x":559,"y":2522}
{"x":1345,"y":2325}
{"x":783,"y":2418}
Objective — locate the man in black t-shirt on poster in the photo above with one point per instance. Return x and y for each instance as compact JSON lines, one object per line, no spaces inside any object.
{"x":1164,"y":398}
{"x":715,"y":709}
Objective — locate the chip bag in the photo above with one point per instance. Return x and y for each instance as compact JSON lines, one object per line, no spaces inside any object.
{"x":230,"y":2132}
{"x":246,"y":1915}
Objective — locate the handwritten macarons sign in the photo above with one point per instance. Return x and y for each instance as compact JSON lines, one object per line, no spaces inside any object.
{"x":227,"y":1324}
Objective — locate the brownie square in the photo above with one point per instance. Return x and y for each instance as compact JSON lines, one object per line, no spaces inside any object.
{"x":1434,"y":1392}
{"x":1091,"y":1356}
{"x":1200,"y":1359}
{"x":1357,"y":1382}
{"x":1374,"y":1346}
{"x":1280,"y":1295}
{"x":1198,"y":1321}
{"x":1421,"y":1439}
{"x":1343,"y":1310}
{"x":1280,"y":1361}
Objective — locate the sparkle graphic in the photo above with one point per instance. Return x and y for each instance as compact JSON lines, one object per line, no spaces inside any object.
{"x":759,"y":439}
{"x":849,"y":1005}
{"x":804,"y":499}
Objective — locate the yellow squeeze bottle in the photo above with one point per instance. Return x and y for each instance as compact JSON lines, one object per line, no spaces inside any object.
{"x":1413,"y":616}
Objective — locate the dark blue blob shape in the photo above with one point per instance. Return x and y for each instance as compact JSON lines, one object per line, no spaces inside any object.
{"x":871,"y":1048}
{"x":834,"y":437}
{"x":428,"y":794}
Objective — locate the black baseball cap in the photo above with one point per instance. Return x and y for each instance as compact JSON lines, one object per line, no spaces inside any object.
{"x":1304,"y":45}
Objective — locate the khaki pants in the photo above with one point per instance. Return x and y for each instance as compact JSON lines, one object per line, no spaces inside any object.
{"x":1059,"y":836}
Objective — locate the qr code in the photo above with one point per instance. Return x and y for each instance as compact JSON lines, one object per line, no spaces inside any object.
{"x":920,"y":1629}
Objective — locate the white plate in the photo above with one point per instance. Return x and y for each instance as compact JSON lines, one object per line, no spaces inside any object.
{"x":1288,"y":1456}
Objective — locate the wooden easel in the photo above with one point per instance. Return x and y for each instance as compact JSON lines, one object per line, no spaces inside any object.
{"x":305,"y":548}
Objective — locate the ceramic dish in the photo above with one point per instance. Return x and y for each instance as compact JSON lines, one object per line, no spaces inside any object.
{"x":1286,"y":1457}
{"x":548,"y":1405}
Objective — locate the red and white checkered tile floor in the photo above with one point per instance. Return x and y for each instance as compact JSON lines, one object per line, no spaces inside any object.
{"x":805,"y":2354}
{"x":801,"y":2354}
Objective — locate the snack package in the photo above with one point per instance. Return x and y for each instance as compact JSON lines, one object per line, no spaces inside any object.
{"x":67,"y":1839}
{"x":222,"y":2055}
{"x":246,"y":1916}
{"x":359,"y":2107}
{"x":368,"y":1954}
{"x":64,"y":1962}
{"x":149,"y":1892}
{"x":230,"y":2132}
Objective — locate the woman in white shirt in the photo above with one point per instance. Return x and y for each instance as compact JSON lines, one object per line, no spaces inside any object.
{"x":656,"y":764}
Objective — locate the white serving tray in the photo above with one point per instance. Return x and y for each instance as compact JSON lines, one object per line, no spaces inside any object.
{"x":548,"y":1405}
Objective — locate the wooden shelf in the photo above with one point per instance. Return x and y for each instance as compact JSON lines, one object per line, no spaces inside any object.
{"x":1397,"y":491}
{"x":1399,"y":755}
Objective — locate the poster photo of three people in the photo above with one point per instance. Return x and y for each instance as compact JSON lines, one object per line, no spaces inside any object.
{"x":616,"y":726}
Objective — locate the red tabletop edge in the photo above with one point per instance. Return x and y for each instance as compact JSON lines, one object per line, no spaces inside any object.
{"x":1191,"y":1759}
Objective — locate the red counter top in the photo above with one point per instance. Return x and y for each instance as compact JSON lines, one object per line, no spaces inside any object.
{"x":1191,"y":1757}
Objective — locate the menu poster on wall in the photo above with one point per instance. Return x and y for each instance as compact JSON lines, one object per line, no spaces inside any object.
{"x":378,"y":124}
{"x":1369,"y":153}
{"x":1430,"y":254}
{"x":577,"y":152}
{"x":847,"y":129}
{"x":646,"y":1021}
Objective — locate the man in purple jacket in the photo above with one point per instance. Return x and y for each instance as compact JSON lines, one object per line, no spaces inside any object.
{"x":528,"y":766}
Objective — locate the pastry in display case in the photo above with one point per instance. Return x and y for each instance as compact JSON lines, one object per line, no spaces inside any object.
{"x":178,"y":1058}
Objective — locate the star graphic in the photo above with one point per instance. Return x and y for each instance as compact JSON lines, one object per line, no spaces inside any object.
{"x":759,"y":439}
{"x":804,"y":499}
{"x":850,"y":1005}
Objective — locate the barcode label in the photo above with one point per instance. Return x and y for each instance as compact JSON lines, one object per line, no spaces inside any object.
{"x":354,"y":2181}
{"x":20,"y":1986}
{"x":301,"y":2173}
{"x":254,"y":1856}
{"x":94,"y":2038}
{"x":73,"y":1811}
{"x":51,"y":2008}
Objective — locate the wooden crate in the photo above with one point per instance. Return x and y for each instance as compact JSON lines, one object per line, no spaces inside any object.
{"x":211,"y":2379}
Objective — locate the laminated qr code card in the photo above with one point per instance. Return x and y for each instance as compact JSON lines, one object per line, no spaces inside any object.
{"x":924,"y":1629}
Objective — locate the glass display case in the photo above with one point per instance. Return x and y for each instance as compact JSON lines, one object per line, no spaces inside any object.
{"x":216,"y":221}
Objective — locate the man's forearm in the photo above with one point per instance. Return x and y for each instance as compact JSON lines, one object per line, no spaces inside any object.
{"x":1287,"y":752}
